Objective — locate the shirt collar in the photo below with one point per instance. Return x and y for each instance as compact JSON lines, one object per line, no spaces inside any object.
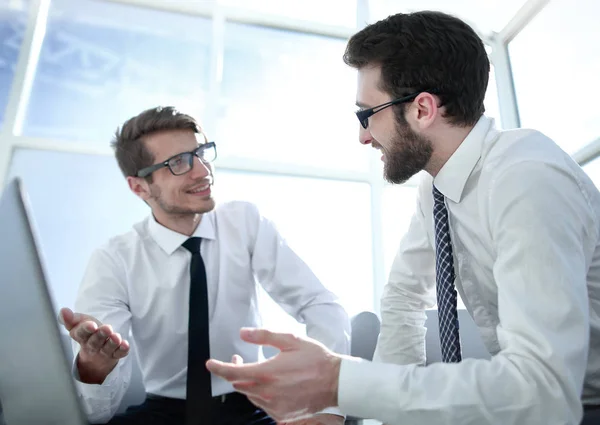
{"x":452,"y":178}
{"x":169,"y":240}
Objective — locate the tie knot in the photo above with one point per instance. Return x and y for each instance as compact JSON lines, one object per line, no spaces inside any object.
{"x":192,"y":245}
{"x":438,"y":196}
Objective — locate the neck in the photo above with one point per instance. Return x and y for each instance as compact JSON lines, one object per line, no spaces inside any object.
{"x":185,"y":224}
{"x":445,"y":142}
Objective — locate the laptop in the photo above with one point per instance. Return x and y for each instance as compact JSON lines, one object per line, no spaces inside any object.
{"x":36,"y":385}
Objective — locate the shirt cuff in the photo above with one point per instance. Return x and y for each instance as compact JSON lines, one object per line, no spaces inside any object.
{"x":332,"y":411}
{"x":369,"y":390}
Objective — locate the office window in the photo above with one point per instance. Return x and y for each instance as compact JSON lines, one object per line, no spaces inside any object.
{"x":593,"y":171}
{"x":556,"y":63}
{"x":492,"y":107}
{"x":94,"y":204}
{"x":78,"y":202}
{"x":399,"y":204}
{"x":327,"y":222}
{"x":485,"y":16}
{"x":288,"y":97}
{"x":13,"y":20}
{"x":103,"y":62}
{"x":329,"y":12}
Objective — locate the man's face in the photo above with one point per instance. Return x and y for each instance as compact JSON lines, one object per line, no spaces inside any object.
{"x":189,"y":193}
{"x":404,"y":152}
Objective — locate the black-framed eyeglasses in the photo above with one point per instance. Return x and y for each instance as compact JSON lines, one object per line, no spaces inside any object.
{"x":183,"y":162}
{"x":364,"y":115}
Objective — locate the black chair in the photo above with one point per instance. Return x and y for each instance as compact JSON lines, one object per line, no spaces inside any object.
{"x":363,"y":340}
{"x":365,"y":331}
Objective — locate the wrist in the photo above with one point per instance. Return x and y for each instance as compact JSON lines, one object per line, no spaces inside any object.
{"x":93,"y":372}
{"x":333,"y":380}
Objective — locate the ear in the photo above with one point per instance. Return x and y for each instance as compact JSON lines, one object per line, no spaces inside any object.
{"x":139,"y":186}
{"x":424,"y":110}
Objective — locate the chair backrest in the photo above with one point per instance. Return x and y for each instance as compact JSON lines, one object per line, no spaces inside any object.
{"x":366,"y":327}
{"x":470,"y":339}
{"x":365,"y":331}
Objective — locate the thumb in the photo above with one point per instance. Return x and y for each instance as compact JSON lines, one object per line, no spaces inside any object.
{"x":282,"y":341}
{"x":71,"y":319}
{"x":67,"y":318}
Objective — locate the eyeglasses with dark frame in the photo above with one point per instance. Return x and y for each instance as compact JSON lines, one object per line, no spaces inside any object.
{"x":183,"y":162}
{"x":364,"y":115}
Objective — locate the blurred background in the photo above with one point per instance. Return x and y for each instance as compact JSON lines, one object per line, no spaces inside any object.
{"x":267,"y":82}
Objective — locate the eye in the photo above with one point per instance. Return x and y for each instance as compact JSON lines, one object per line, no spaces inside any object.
{"x":177,"y":161}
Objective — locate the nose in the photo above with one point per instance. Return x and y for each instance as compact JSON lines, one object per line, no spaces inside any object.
{"x":200,"y":169}
{"x":364,"y":135}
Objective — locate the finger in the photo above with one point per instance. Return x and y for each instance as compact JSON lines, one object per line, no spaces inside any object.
{"x":65,"y":317}
{"x":111,"y":345}
{"x":237,"y":359}
{"x":282,"y":341}
{"x":96,"y":342}
{"x":122,"y":351}
{"x":83,"y":331}
{"x":237,"y":372}
{"x":71,"y":319}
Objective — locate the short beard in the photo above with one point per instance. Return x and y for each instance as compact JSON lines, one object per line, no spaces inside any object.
{"x":156,"y":193}
{"x":409,"y":153}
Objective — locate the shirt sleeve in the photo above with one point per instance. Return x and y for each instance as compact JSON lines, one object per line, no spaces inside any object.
{"x":293,"y":285}
{"x":544,"y":233}
{"x":409,"y":292}
{"x":102,"y":294}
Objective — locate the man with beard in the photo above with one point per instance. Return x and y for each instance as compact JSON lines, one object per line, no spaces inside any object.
{"x":184,"y":281}
{"x":506,"y":218}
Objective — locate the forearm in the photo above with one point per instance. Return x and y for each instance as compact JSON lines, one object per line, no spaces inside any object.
{"x":503,"y":391}
{"x":402,"y":337}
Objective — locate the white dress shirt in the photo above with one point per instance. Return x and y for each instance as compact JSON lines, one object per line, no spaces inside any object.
{"x":524,"y":224}
{"x":140,"y":282}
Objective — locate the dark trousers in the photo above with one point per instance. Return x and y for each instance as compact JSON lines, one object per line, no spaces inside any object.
{"x":236,"y":409}
{"x":591,"y":415}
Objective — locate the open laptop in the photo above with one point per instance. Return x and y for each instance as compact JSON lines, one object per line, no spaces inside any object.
{"x":36,"y":386}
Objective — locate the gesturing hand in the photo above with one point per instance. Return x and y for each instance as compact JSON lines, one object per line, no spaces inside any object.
{"x":101,"y":346}
{"x":299,"y":381}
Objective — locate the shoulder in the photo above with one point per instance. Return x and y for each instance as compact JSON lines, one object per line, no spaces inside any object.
{"x":124,"y":244}
{"x":521,"y":151}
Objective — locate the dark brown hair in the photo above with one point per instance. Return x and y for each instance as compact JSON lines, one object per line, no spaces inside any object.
{"x":130,"y":150}
{"x":424,"y":51}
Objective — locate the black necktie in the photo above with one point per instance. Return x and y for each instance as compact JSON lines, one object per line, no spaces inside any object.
{"x":199,"y":390}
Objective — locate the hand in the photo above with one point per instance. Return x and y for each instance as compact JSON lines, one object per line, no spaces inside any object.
{"x":101,"y":347}
{"x":299,"y":381}
{"x":319,"y":419}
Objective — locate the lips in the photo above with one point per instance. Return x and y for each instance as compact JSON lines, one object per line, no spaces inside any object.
{"x":200,"y":189}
